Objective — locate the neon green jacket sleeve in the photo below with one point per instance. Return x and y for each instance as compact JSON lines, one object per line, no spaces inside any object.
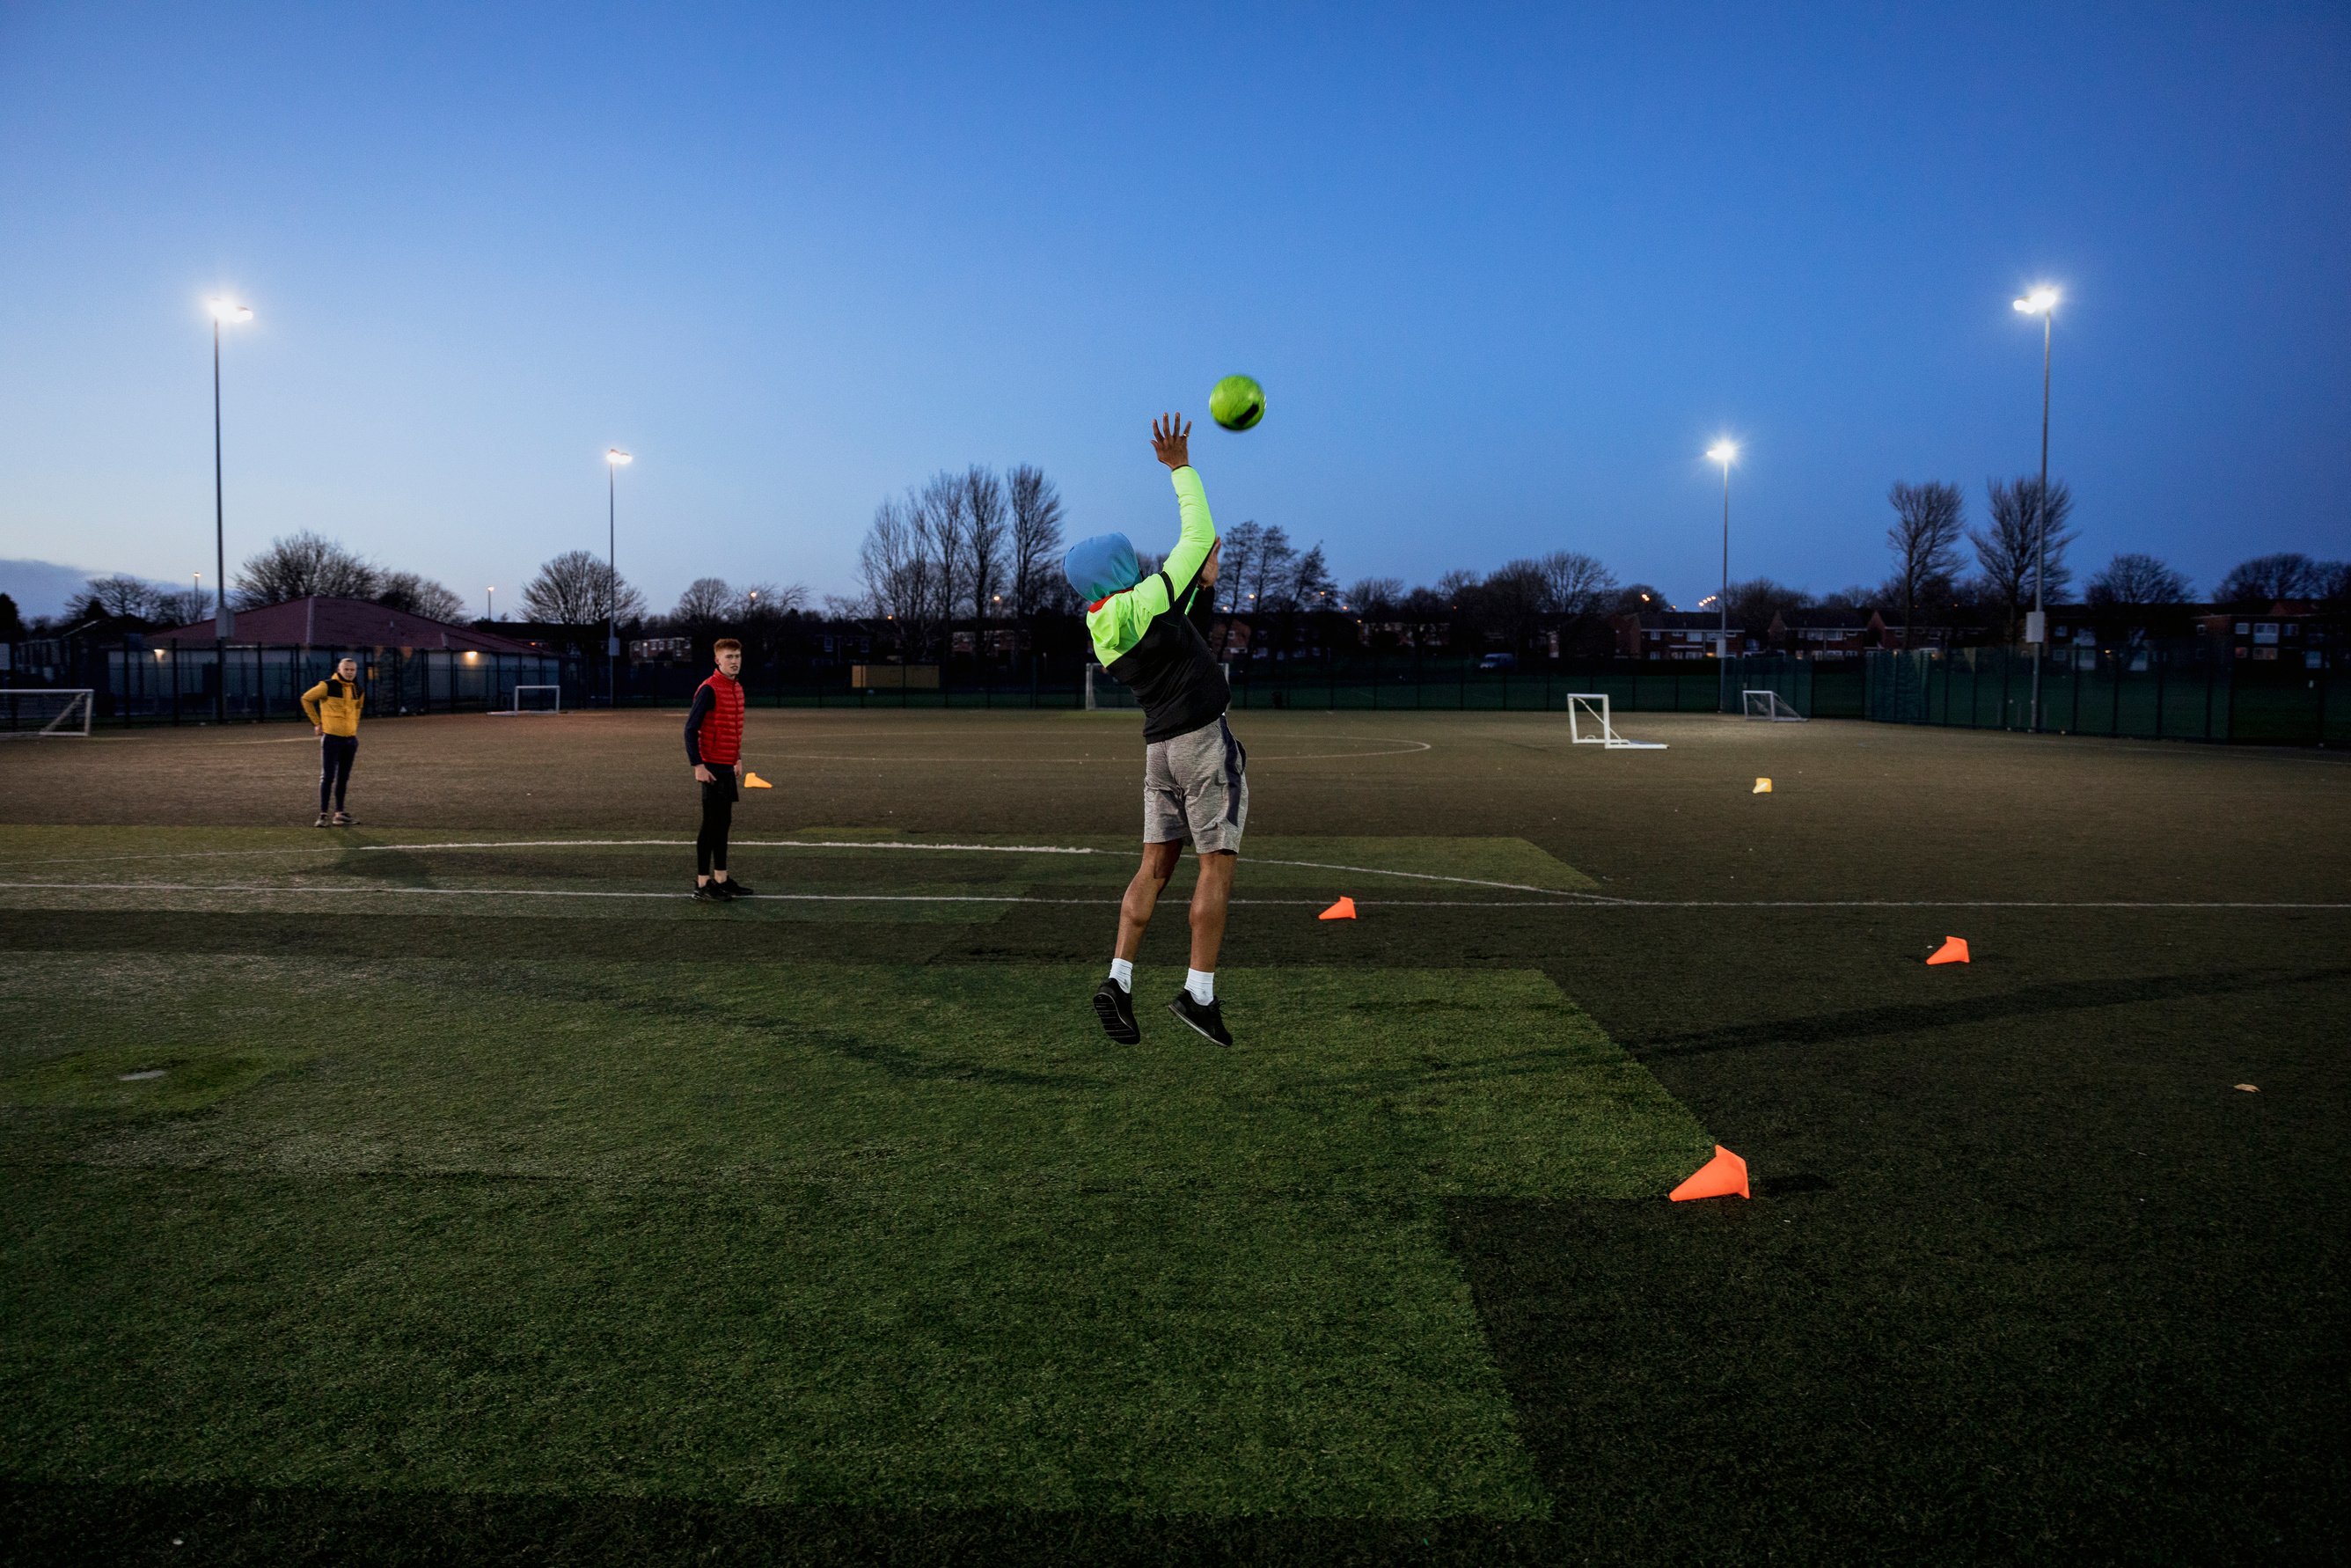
{"x":1121,"y":621}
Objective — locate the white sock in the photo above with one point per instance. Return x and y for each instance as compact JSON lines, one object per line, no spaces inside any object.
{"x":1202,"y":984}
{"x":1123,"y":971}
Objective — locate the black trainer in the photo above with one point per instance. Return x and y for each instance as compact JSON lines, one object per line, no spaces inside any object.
{"x":1114,"y":1005}
{"x":1208,"y":1018}
{"x":709,"y":893}
{"x":730,"y":888}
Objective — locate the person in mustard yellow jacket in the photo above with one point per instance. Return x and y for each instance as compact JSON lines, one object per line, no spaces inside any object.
{"x":334,"y":706}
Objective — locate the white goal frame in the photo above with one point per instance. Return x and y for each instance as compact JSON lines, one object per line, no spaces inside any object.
{"x":1773,"y":706}
{"x":1591,"y":709}
{"x":79,"y":699}
{"x":1122,"y":696}
{"x":518,"y":708}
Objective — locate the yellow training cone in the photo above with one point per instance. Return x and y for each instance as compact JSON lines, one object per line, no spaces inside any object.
{"x":753,"y":781}
{"x":1763,"y":786}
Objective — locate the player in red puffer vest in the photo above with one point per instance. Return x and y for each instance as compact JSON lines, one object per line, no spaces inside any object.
{"x":713,"y":744}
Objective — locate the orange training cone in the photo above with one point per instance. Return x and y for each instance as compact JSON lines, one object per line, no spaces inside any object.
{"x":1725,"y":1175}
{"x":1954,"y":950}
{"x":1342,"y":910}
{"x":753,"y":781}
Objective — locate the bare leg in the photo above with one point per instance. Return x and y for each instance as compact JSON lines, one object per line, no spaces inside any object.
{"x":1209,"y":902}
{"x":1143,"y":896}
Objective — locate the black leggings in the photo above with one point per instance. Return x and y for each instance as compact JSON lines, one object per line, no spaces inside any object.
{"x":335,"y":755}
{"x":717,"y":817}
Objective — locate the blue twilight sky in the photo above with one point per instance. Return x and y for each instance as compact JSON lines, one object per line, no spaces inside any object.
{"x":1505,"y":272}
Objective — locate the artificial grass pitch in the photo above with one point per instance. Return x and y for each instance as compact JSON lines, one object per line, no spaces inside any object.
{"x":887,"y":1235}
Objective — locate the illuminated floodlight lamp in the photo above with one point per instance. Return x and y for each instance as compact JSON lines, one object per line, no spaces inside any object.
{"x":2040,"y":302}
{"x":1723,"y":451}
{"x":617,"y":458}
{"x":230,"y":310}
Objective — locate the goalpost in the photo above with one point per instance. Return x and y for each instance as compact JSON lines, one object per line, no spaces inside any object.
{"x":1104,"y":690}
{"x":1769,"y":704}
{"x":533,"y":699}
{"x":32,"y":712}
{"x":1587,"y":725}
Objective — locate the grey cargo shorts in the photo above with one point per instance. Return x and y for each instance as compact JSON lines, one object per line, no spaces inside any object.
{"x":1195,"y":786}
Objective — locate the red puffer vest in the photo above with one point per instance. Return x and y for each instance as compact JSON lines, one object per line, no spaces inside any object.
{"x":721,"y":737}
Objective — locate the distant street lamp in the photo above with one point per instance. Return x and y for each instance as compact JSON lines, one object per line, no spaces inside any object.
{"x":1724,"y":452}
{"x":224,"y":619}
{"x":615,"y":460}
{"x":2041,"y":302}
{"x":491,"y":595}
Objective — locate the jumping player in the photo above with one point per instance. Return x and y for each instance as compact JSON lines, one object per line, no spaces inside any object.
{"x":1195,"y":778}
{"x":713,"y":744}
{"x":333,"y":706}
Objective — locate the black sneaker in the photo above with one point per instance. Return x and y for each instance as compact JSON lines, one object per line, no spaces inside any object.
{"x":709,"y":893}
{"x":1114,"y":1005}
{"x":730,"y":888}
{"x":1208,"y":1018}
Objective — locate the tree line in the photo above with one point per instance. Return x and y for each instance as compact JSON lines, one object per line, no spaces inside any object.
{"x":973,"y":547}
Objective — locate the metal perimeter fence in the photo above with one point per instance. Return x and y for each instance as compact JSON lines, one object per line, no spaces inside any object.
{"x":195,"y":685}
{"x":2185,"y":692}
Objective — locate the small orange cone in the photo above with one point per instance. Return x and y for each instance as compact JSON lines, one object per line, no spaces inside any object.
{"x":1342,"y":910}
{"x":1954,"y":950}
{"x":753,"y":781}
{"x":1725,"y":1175}
{"x":1763,"y":786}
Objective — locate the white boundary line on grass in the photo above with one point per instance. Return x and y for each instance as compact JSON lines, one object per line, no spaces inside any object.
{"x":986,"y":849}
{"x":1586,"y":903}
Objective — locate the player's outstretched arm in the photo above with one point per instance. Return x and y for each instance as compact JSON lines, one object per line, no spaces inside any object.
{"x":1171,"y":444}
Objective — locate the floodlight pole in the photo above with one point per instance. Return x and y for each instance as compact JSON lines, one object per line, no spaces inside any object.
{"x":220,"y":548}
{"x":611,"y":584}
{"x":2041,"y":521}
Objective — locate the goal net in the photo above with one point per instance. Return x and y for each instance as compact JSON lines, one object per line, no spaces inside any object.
{"x":1588,"y":725}
{"x":1771,"y":706}
{"x":535,"y":699}
{"x":46,"y":710}
{"x":1104,"y":690}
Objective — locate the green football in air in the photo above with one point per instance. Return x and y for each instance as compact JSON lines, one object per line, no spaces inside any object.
{"x":1238,"y":402}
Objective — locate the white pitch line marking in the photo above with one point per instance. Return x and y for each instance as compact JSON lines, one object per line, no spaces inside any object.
{"x":1589,"y":902}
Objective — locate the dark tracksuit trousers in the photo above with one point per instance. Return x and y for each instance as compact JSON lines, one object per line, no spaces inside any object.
{"x":717,"y":819}
{"x":335,"y":755}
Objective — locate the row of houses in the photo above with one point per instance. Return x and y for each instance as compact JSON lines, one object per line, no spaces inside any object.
{"x":2293,"y":631}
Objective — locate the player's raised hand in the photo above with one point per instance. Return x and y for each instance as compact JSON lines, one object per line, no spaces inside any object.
{"x":1171,"y":439}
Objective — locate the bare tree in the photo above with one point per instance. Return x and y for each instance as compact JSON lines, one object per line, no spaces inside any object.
{"x":418,"y":595}
{"x":576,"y":591}
{"x":181,"y":606}
{"x":1236,"y":552}
{"x":1265,"y":584}
{"x":1376,"y":596}
{"x":2289,"y":575}
{"x":1513,"y":597}
{"x":887,"y":565}
{"x":704,"y":602}
{"x":1928,"y":522}
{"x":987,"y":522}
{"x":944,"y":520}
{"x":2008,"y":553}
{"x":1758,"y":602}
{"x":1575,"y":584}
{"x":300,"y":565}
{"x":121,"y":594}
{"x":766,"y":600}
{"x":1036,"y":510}
{"x":2132,"y":579}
